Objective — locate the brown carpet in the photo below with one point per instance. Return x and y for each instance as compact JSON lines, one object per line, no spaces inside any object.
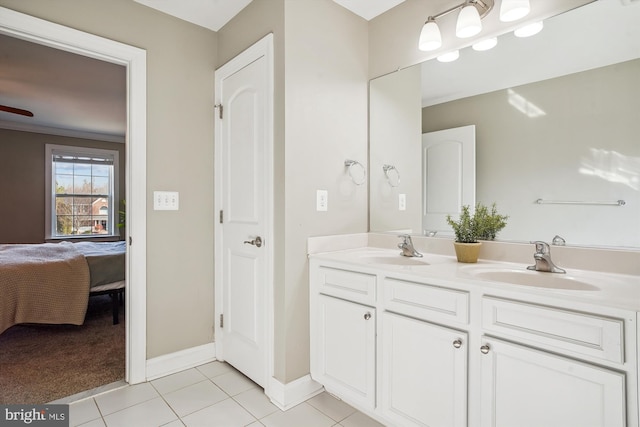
{"x":42,"y":363}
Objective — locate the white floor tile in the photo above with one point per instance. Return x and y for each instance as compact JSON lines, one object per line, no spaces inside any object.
{"x":125,"y":397}
{"x":301,"y":415}
{"x":227,"y":413}
{"x":256,"y":424}
{"x":178,"y":380}
{"x":176,"y":423}
{"x":152,"y":413}
{"x":214,"y":369}
{"x":233,"y":383}
{"x":83,"y":411}
{"x":359,"y":419}
{"x":329,"y":405}
{"x":94,"y":423}
{"x":194,"y":397}
{"x":256,"y":402}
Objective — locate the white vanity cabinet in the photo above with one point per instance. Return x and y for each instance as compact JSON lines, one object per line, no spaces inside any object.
{"x":424,"y":373}
{"x":412,"y":349}
{"x":547,"y":376}
{"x":526,"y":387}
{"x":346,"y":348}
{"x":343,"y":334}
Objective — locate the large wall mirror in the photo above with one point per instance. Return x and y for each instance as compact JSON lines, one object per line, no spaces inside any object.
{"x":557,"y":119}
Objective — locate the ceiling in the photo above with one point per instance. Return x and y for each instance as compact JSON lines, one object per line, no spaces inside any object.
{"x":214,"y":14}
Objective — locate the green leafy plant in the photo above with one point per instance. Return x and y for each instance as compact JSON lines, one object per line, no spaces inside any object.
{"x":484,"y":224}
{"x":489,"y":221}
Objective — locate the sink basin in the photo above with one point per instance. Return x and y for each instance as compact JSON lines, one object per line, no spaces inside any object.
{"x":533,"y":278}
{"x":394,"y":260}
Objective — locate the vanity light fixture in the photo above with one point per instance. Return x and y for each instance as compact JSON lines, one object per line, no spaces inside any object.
{"x":512,"y":10}
{"x":468,"y":24}
{"x":485,"y":44}
{"x":529,"y":29}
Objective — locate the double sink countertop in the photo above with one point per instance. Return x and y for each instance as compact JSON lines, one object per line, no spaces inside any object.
{"x":593,"y":287}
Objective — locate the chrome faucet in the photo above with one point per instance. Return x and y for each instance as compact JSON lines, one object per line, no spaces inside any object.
{"x":543,"y":259}
{"x":407,"y":247}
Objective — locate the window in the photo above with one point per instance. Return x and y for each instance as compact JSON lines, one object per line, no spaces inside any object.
{"x":82,"y":196}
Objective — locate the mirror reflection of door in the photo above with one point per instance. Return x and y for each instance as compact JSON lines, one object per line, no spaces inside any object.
{"x":448,"y":176}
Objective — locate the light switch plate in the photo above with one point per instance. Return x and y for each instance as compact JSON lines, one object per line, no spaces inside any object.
{"x":166,"y":200}
{"x":322,"y":200}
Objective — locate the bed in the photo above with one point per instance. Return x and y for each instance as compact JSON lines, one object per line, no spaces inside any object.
{"x":51,"y":282}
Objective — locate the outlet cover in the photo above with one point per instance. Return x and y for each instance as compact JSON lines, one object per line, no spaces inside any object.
{"x":322,"y":200}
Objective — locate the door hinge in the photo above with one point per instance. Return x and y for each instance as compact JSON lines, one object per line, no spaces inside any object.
{"x":220,"y":108}
{"x":221,"y":217}
{"x":130,"y":241}
{"x":222,"y":320}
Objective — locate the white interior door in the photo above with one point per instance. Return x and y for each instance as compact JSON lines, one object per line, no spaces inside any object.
{"x":243,"y":234}
{"x":448,"y":175}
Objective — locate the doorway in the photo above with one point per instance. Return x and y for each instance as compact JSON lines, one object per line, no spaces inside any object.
{"x":15,"y":24}
{"x":244,"y":200}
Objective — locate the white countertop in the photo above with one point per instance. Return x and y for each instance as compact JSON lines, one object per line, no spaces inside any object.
{"x":613,"y":290}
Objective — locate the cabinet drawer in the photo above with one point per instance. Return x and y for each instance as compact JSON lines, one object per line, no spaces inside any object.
{"x":581,"y":333}
{"x":359,"y":287}
{"x":426,"y":302}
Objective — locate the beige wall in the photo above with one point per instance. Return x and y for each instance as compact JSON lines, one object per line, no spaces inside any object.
{"x":22,"y":189}
{"x":585,"y":148}
{"x":181,"y":58}
{"x":326,"y":122}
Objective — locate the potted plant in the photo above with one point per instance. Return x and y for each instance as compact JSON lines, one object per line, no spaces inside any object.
{"x":483,"y":224}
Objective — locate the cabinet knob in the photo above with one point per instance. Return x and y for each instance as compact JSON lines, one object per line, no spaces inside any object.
{"x":457,"y":343}
{"x":367,"y":316}
{"x":485,"y":349}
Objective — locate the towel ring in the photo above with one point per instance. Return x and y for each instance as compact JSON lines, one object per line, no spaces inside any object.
{"x":392,"y":174}
{"x":349,"y":164}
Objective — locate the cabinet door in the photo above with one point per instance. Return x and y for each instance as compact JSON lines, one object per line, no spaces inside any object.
{"x":424,"y":373}
{"x":346,"y":348}
{"x":525,"y":387}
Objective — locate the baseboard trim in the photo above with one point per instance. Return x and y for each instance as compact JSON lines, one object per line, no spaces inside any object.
{"x":286,"y":396}
{"x":180,"y":360}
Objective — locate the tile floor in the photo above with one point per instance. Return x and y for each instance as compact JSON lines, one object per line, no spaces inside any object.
{"x":211,"y":395}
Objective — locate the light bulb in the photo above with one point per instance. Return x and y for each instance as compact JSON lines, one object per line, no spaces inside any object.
{"x":449,"y":56}
{"x":512,"y":10}
{"x":485,"y":44}
{"x":469,"y":23}
{"x":430,"y":38}
{"x":529,"y":30}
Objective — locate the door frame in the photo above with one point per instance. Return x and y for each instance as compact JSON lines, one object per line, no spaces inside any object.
{"x":262,"y":48}
{"x":36,"y":30}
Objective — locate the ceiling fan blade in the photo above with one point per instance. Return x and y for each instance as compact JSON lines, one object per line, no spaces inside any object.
{"x":16,"y":111}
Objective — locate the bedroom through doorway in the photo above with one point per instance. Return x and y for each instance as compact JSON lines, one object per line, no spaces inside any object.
{"x":132,"y":335}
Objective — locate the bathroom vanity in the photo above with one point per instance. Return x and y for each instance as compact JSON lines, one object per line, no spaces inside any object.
{"x":433,"y":342}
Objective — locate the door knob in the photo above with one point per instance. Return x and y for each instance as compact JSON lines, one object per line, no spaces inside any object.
{"x":457,"y":343}
{"x":255,"y":242}
{"x":367,"y":316}
{"x":485,"y":349}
